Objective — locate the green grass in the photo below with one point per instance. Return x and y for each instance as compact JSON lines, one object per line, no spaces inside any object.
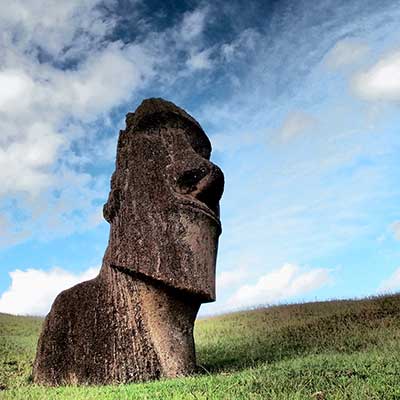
{"x":326,"y":350}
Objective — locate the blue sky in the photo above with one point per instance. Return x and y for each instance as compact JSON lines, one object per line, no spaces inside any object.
{"x":300,"y":101}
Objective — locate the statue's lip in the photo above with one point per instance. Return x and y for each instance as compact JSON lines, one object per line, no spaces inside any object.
{"x":199,"y":206}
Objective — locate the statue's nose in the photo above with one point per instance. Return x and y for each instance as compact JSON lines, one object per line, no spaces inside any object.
{"x":205,"y":183}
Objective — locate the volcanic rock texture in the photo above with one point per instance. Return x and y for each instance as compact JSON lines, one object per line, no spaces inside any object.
{"x":134,"y":321}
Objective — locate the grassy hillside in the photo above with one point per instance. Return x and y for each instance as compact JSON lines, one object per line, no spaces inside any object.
{"x":327,"y":350}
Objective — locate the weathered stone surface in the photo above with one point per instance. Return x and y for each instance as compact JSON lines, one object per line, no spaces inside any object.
{"x":135,"y":320}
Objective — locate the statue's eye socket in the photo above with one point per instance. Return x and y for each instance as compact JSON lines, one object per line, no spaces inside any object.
{"x":189,"y":179}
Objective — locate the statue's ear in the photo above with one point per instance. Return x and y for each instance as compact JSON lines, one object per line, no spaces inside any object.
{"x":111,"y":208}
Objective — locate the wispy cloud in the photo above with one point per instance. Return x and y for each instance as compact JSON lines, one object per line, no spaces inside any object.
{"x":64,"y":29}
{"x":296,"y":123}
{"x":193,"y":24}
{"x":346,"y":52}
{"x":200,"y":60}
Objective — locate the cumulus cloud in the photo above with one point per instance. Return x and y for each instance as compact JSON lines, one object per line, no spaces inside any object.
{"x":294,"y":124}
{"x":14,"y":84}
{"x":60,"y":29}
{"x":35,"y":110}
{"x":61,"y":75}
{"x":345,"y":52}
{"x":284,"y":283}
{"x":25,"y":158}
{"x":381,"y":81}
{"x":392,"y":283}
{"x":32,"y":291}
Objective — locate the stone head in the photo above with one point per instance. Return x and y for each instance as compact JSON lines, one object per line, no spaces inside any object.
{"x":163,"y":207}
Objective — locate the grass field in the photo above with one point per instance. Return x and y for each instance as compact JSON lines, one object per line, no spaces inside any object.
{"x":327,"y":350}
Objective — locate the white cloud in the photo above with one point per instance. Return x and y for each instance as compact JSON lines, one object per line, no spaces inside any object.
{"x":193,"y":23}
{"x":200,"y":60}
{"x":97,"y":85}
{"x":295,"y":123}
{"x":14,"y":86}
{"x":392,"y":283}
{"x":58,"y":28}
{"x":36,"y":108}
{"x":229,"y":279}
{"x":241,"y":46}
{"x":33,"y":291}
{"x":284,"y":283}
{"x":381,"y":81}
{"x":345,"y":52}
{"x":60,"y":74}
{"x":25,"y":158}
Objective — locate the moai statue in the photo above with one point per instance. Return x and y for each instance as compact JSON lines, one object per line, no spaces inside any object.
{"x":134,"y":321}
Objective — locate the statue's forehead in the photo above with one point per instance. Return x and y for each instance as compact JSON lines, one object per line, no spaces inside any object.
{"x":159,"y":117}
{"x":184,"y":140}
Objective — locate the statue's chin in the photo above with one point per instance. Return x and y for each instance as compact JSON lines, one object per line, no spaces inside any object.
{"x":199,"y":238}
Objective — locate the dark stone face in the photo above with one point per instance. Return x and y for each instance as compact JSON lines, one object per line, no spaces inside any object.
{"x":164,"y":201}
{"x":134,"y":321}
